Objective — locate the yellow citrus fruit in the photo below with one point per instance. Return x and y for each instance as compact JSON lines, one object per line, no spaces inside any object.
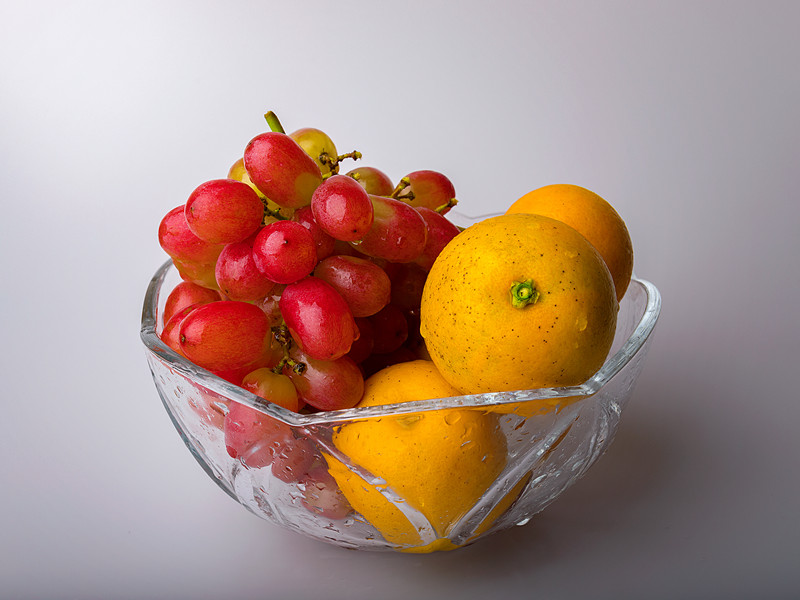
{"x":518,"y":301}
{"x":592,"y":216}
{"x":429,"y":467}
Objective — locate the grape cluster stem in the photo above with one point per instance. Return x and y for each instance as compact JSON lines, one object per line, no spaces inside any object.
{"x":284,"y":338}
{"x":401,"y":185}
{"x":333,"y":163}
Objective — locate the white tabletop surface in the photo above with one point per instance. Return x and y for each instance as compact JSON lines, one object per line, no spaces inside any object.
{"x":683,"y":114}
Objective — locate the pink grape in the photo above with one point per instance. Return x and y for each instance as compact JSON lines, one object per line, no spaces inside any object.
{"x":253,"y":437}
{"x":398,"y":232}
{"x":342,"y":208}
{"x":363,"y":284}
{"x":327,"y":384}
{"x":186,"y":294}
{"x":171,"y":335}
{"x":281,"y":169}
{"x":177,"y":240}
{"x":269,"y":359}
{"x":373,"y":180}
{"x":275,"y":387}
{"x":430,"y":189}
{"x":285,"y":251}
{"x":225,"y":335}
{"x":239,"y":173}
{"x":318,"y":318}
{"x":223,"y":211}
{"x":238,"y":276}
{"x":324,"y":242}
{"x":440,"y":232}
{"x":201,"y":274}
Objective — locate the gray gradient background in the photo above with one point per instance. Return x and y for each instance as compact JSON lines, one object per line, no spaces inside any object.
{"x":683,"y":114}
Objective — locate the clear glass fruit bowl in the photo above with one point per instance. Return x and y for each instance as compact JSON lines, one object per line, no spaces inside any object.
{"x":413,"y":477}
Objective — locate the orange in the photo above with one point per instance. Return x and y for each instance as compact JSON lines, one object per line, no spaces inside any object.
{"x":518,"y":301}
{"x":433,"y":465}
{"x":592,"y":216}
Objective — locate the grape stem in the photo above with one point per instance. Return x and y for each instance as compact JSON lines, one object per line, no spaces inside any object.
{"x":274,"y":123}
{"x":268,"y":212}
{"x":284,"y":338}
{"x":403,"y":184}
{"x":447,"y":205}
{"x":333,"y":163}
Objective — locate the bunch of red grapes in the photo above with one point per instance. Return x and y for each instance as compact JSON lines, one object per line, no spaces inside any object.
{"x":300,"y":282}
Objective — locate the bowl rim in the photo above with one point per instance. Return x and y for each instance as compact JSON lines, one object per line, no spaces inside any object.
{"x":613,"y":365}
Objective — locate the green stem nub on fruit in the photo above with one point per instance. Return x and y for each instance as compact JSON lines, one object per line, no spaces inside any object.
{"x":523,"y":293}
{"x":274,"y":123}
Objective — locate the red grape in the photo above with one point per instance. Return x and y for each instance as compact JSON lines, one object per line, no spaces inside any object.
{"x":281,"y":169}
{"x":364,"y":285}
{"x":398,"y":232}
{"x":201,"y":274}
{"x":223,"y":211}
{"x":285,"y":251}
{"x":430,"y":189}
{"x":373,"y":180}
{"x":324,"y":242}
{"x":239,"y":173}
{"x":238,"y":276}
{"x":253,"y":437}
{"x":440,"y":232}
{"x":327,"y":384}
{"x":181,"y":244}
{"x":275,"y":387}
{"x":342,"y":208}
{"x":170,"y":335}
{"x":225,"y":335}
{"x":186,"y":294}
{"x":318,"y":318}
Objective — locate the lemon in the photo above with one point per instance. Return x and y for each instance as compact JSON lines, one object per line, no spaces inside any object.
{"x":429,"y":468}
{"x":593,"y":217}
{"x":518,"y":301}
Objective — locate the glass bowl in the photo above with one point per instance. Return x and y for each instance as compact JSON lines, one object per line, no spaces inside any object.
{"x":534,"y":445}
